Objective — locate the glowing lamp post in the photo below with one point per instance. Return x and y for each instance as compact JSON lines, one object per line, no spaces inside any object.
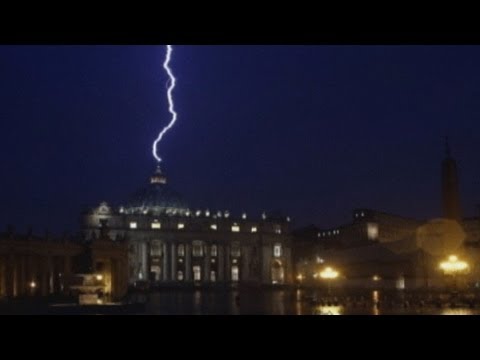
{"x":33,"y":286}
{"x":329,"y":275}
{"x":300,"y":278}
{"x":453,"y":267}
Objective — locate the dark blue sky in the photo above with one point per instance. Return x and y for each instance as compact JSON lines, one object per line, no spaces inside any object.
{"x":314,"y":131}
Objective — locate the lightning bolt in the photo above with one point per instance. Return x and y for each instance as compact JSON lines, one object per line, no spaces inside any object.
{"x":172,"y":82}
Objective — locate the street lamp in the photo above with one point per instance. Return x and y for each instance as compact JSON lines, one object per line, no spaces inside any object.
{"x":33,"y":286}
{"x":453,"y":267}
{"x":300,"y":278}
{"x":329,"y":275}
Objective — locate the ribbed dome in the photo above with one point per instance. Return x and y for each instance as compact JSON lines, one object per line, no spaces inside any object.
{"x":157,"y":198}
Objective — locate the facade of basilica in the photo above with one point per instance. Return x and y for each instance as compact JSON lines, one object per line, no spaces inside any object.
{"x":170,"y":244}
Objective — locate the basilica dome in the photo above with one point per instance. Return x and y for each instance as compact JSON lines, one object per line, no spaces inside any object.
{"x":157,"y":198}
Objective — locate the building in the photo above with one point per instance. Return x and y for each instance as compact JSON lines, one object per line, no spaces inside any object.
{"x":377,"y":248}
{"x":42,"y":266}
{"x":171,"y":244}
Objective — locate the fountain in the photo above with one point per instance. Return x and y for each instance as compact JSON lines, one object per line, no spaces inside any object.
{"x":90,"y":288}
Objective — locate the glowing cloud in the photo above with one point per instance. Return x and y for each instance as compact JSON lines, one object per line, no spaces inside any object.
{"x":172,"y":82}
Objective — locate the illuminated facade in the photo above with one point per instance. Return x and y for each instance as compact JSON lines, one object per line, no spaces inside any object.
{"x":171,"y":244}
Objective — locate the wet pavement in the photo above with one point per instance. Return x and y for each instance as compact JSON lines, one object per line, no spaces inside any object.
{"x":301,"y":302}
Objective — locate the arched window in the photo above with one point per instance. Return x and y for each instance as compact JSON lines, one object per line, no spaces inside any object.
{"x":214,"y":251}
{"x":156,"y":248}
{"x":197,"y":250}
{"x":181,"y":250}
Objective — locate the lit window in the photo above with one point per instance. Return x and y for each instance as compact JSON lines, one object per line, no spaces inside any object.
{"x":277,"y":250}
{"x":214,"y":227}
{"x":235,"y":261}
{"x":277,"y":229}
{"x":181,"y":250}
{"x":198,"y":213}
{"x":372,"y":231}
{"x":235,"y":228}
{"x":197,"y":273}
{"x":227,"y":214}
{"x":213,"y":276}
{"x":319,"y":235}
{"x":254,"y":230}
{"x":156,"y":226}
{"x":244,"y":216}
{"x":235,"y":274}
{"x":180,"y":276}
{"x":181,"y":226}
{"x":363,"y":214}
{"x":197,"y":250}
{"x":207,"y":213}
{"x":214,"y":251}
{"x":133,"y":225}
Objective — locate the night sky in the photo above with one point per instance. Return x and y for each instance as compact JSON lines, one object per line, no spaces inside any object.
{"x":312,"y":131}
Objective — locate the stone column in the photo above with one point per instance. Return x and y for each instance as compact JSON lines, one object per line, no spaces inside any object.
{"x":22,"y":263}
{"x":15,"y":275}
{"x":221,"y":263}
{"x":148,"y":262}
{"x":51,"y":275}
{"x":44,"y":276}
{"x":267,"y":264}
{"x":165,"y":257}
{"x":114,"y":293}
{"x":9,"y":276}
{"x":143,"y":260}
{"x":206,"y":266}
{"x":188,"y":262}
{"x":3,"y":269}
{"x":66,"y":277}
{"x":173,"y":262}
{"x":228,"y":265}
